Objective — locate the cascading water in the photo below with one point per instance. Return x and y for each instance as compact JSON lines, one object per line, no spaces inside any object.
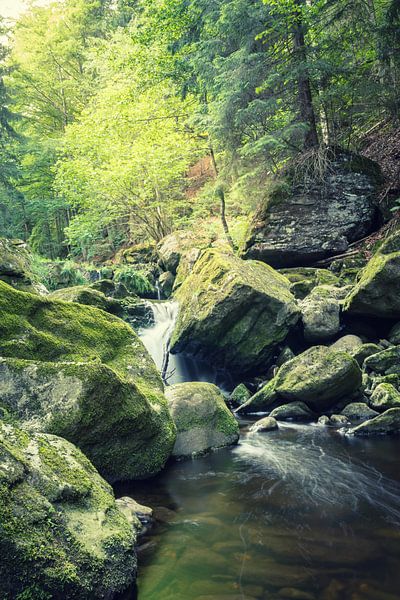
{"x":174,"y":368}
{"x":302,"y":512}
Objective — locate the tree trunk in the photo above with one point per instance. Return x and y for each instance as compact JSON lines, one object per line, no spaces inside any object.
{"x":306,"y":106}
{"x":221,"y":196}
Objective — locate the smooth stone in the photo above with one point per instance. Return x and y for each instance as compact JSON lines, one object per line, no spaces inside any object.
{"x":358,"y":411}
{"x":265,"y":424}
{"x":294,"y":411}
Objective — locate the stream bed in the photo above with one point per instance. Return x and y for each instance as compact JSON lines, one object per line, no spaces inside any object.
{"x":303,"y":512}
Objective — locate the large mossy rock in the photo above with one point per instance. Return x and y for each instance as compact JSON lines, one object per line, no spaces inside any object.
{"x":304,"y":279}
{"x":84,"y":374}
{"x":89,"y":296}
{"x":233,"y":312}
{"x":388,"y":423}
{"x":202,"y":419}
{"x":319,"y":377}
{"x":16,"y":267}
{"x":307,"y":219}
{"x":377,"y":292}
{"x":62,"y":536}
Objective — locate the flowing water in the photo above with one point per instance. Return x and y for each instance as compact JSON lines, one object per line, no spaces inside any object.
{"x":302,"y":512}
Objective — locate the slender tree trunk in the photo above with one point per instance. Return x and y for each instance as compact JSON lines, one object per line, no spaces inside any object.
{"x":221,"y":197}
{"x":306,"y":106}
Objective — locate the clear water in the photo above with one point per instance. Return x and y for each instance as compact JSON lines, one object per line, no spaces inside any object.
{"x":302,"y":512}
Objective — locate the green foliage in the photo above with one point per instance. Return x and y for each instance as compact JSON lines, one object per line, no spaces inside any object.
{"x":134,"y":280}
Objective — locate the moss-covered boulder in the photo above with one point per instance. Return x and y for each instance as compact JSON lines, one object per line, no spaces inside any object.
{"x":348,"y":343}
{"x":202,"y":419}
{"x":89,"y":296}
{"x":319,"y":377}
{"x":111,"y":289}
{"x":84,"y":374}
{"x":263,"y":400}
{"x":16,"y":267}
{"x":233,"y":312}
{"x":377,"y":292}
{"x":62,"y":535}
{"x":384,"y":396}
{"x":358,"y":411}
{"x":388,"y":423}
{"x":294,"y":411}
{"x":385,"y":362}
{"x":320,"y":313}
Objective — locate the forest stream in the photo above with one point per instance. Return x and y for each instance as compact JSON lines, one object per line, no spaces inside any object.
{"x":303,"y":512}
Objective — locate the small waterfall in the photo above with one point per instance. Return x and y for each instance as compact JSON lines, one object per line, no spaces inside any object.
{"x":174,"y":368}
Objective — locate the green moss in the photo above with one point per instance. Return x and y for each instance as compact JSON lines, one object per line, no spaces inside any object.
{"x":104,"y":391}
{"x":90,"y":297}
{"x":61,"y":533}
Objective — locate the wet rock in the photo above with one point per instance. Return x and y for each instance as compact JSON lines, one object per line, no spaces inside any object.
{"x":323,"y":420}
{"x":240,"y":395}
{"x":202,"y":418}
{"x":265,"y":424}
{"x":360,"y":353}
{"x":136,"y":514}
{"x":319,"y":377}
{"x":348,"y":343}
{"x":238,"y":314}
{"x":388,"y":423}
{"x":301,"y":223}
{"x":358,"y":411}
{"x":320,"y":313}
{"x":377,"y":292}
{"x":63,"y":526}
{"x":384,"y":362}
{"x":295,"y":411}
{"x":384,"y":396}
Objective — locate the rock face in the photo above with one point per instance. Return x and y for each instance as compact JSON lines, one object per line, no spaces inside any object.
{"x":388,"y":423}
{"x":15,"y":267}
{"x":202,"y":418}
{"x":377,"y":292}
{"x":62,"y":534}
{"x":301,"y":224}
{"x":319,"y":377}
{"x":78,"y":372}
{"x":320,"y":312}
{"x":233,"y":312}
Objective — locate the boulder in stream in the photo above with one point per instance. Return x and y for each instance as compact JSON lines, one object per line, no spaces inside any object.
{"x":62,"y":533}
{"x":388,"y":423}
{"x":233,"y":312}
{"x":202,"y":419}
{"x":294,"y":411}
{"x":358,"y":411}
{"x":265,"y":424}
{"x":81,"y":373}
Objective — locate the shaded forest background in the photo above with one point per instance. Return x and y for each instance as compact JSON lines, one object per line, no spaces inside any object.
{"x":123,"y":121}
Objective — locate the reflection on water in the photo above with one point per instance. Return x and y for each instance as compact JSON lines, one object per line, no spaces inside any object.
{"x":298,"y":513}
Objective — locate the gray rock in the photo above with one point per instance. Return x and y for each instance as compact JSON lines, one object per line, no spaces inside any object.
{"x":358,"y":411}
{"x":323,"y":420}
{"x":360,"y":353}
{"x":240,"y":395}
{"x":265,"y":424}
{"x":294,"y":411}
{"x":166,"y":283}
{"x":202,"y":419}
{"x":300,"y":225}
{"x":388,"y":423}
{"x":348,"y":343}
{"x":262,"y":400}
{"x":385,"y":362}
{"x":339,"y":420}
{"x":320,"y":312}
